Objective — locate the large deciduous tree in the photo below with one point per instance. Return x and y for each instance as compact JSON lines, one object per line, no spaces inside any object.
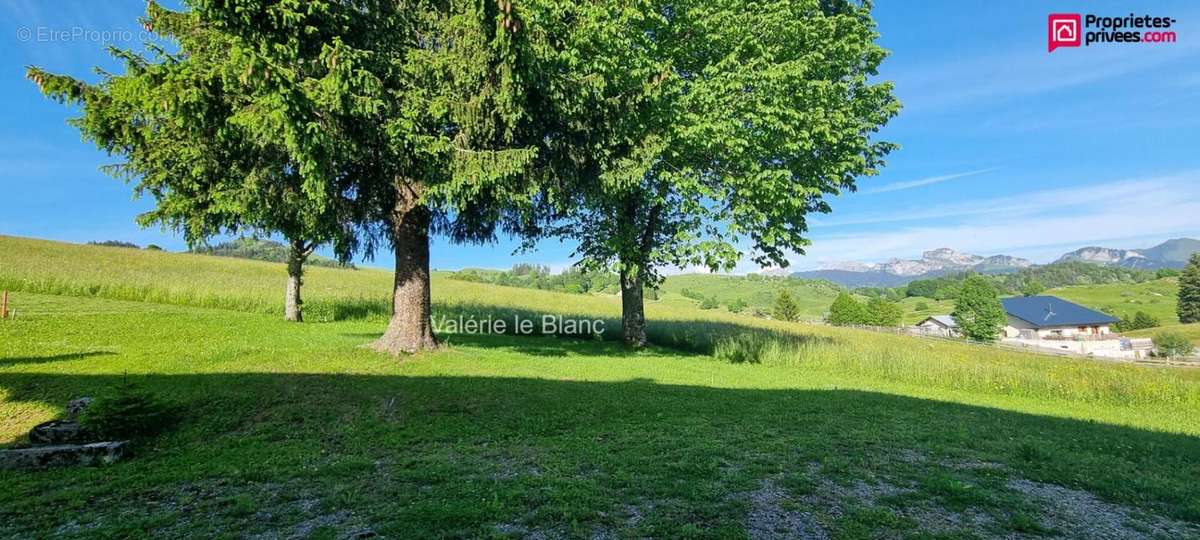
{"x":978,"y":311}
{"x":688,"y":132}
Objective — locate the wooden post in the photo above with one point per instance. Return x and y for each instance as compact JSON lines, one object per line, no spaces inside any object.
{"x":4,"y":306}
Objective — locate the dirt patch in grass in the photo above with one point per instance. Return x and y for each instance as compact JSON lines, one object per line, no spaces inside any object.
{"x":772,"y":517}
{"x":1079,"y":514}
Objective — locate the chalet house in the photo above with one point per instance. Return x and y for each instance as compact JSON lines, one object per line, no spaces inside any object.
{"x":943,"y":325}
{"x":1050,"y":317}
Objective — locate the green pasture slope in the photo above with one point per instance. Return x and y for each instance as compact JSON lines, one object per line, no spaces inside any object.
{"x":728,"y":427}
{"x":1190,"y":331}
{"x":812,"y":297}
{"x":1157,"y":297}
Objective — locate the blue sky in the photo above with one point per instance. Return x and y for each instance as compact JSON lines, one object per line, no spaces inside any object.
{"x":1005,"y":148}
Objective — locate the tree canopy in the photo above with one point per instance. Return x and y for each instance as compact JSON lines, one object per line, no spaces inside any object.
{"x":978,"y":311}
{"x":394,"y":118}
{"x":1189,"y":291}
{"x":685,"y":139}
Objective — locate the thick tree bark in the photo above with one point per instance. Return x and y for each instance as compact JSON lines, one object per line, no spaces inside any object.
{"x":411,"y":328}
{"x":633,"y":269}
{"x":293,"y":306}
{"x":633,"y":309}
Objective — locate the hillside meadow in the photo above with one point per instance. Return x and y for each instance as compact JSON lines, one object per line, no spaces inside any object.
{"x":1158,"y":298}
{"x":727,"y":427}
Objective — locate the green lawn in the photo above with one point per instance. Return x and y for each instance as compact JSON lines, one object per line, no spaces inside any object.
{"x":1190,"y":331}
{"x":812,"y":297}
{"x":1157,"y":297}
{"x":740,"y":427}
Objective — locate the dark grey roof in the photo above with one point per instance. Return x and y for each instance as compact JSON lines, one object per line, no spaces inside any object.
{"x":1043,"y":311}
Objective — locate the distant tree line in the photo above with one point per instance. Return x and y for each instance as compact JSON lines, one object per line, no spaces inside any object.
{"x":876,"y":311}
{"x":263,"y":250}
{"x":532,"y":276}
{"x":124,"y":244}
{"x":1027,"y":281}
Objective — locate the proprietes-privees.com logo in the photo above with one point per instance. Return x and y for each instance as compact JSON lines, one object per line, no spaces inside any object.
{"x":1073,"y":29}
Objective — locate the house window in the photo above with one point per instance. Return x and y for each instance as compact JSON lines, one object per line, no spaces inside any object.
{"x":1083,"y":329}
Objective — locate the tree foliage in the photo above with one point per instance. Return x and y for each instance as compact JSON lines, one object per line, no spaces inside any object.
{"x":300,"y":117}
{"x":883,"y":312}
{"x":978,"y":311}
{"x":1063,"y":274}
{"x":1139,"y":321}
{"x":1189,"y":291}
{"x":1172,"y":344}
{"x":683,"y":137}
{"x":846,"y":310}
{"x":786,"y":308}
{"x":1032,"y":287}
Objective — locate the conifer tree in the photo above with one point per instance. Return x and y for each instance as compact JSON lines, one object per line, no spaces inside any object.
{"x":397,"y":118}
{"x":1189,"y":291}
{"x":786,"y":308}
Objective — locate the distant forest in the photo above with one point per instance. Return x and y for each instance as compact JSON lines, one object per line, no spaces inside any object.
{"x":262,"y":250}
{"x":534,"y":276}
{"x":1026,"y":281}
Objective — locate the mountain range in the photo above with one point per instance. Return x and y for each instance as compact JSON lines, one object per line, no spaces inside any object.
{"x":895,"y":272}
{"x":1170,"y":254}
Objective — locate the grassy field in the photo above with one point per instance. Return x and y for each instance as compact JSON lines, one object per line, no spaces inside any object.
{"x":186,"y":279}
{"x":730,"y":427}
{"x":812,"y":297}
{"x":1158,"y":298}
{"x":1190,"y":331}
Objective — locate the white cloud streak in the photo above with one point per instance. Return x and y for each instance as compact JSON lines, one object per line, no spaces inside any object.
{"x":1026,"y":224}
{"x":899,"y":186}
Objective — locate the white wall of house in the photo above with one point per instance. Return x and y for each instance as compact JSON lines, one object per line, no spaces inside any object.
{"x":935,"y":328}
{"x":1019,"y":328}
{"x":1107,"y":348}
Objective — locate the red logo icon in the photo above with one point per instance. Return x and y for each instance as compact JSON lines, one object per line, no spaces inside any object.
{"x":1064,"y":30}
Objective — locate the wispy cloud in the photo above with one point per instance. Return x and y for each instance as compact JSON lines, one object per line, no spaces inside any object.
{"x":899,"y":186}
{"x":1023,"y":204}
{"x":1028,"y":224}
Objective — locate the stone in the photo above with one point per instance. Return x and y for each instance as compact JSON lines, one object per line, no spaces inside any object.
{"x":57,"y":432}
{"x":101,"y":453}
{"x":76,"y":406}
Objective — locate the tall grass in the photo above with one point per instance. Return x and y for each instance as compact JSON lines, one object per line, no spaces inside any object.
{"x":47,"y":267}
{"x":74,"y":270}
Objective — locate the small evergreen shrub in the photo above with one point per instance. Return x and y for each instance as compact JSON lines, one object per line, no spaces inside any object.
{"x":127,"y":411}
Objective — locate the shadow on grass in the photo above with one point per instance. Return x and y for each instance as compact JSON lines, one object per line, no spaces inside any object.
{"x":737,"y":343}
{"x":400,"y":452}
{"x":65,"y":357}
{"x":544,"y":346}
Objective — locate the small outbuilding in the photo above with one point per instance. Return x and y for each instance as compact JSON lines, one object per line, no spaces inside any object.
{"x":939,"y":324}
{"x":1050,"y":317}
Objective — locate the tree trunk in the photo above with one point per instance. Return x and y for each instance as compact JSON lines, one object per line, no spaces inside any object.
{"x":293,"y":309}
{"x":411,"y":328}
{"x":633,"y":309}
